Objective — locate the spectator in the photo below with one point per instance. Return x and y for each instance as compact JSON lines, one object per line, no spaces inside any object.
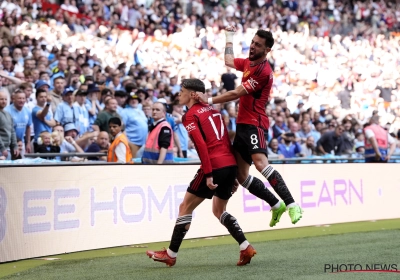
{"x":121,"y":97}
{"x":308,"y":148}
{"x":279,"y":127}
{"x":8,"y":140}
{"x":331,"y":142}
{"x":45,"y":145}
{"x":67,"y":144}
{"x":65,"y":112}
{"x":104,"y":94}
{"x":21,"y":148}
{"x":8,"y":84}
{"x":159,"y":145}
{"x":56,"y":93}
{"x":180,"y":129}
{"x":348,"y":137}
{"x":119,"y":150}
{"x":135,"y":122}
{"x":101,"y":123}
{"x":81,"y":112}
{"x":22,"y":119}
{"x":359,"y":139}
{"x":291,"y":148}
{"x":42,"y":84}
{"x":100,"y":145}
{"x":306,"y":132}
{"x":147,"y":109}
{"x":93,"y":106}
{"x":42,"y":116}
{"x":228,"y":79}
{"x":273,"y":149}
{"x":360,"y":151}
{"x":143,"y":96}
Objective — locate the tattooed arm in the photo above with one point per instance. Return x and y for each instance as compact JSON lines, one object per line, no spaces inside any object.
{"x":229,"y":32}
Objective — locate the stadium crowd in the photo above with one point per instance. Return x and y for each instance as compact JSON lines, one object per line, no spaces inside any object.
{"x":336,"y":64}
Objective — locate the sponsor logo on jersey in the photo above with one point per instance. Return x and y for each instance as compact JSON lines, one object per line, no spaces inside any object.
{"x":190,"y":127}
{"x":252,"y":82}
{"x":255,"y":147}
{"x":246,"y":73}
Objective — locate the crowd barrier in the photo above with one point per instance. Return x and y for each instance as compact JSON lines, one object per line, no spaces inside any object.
{"x":60,"y":209}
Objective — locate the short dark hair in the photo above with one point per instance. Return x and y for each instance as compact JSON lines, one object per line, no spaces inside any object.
{"x":42,"y":73}
{"x":129,"y":87}
{"x":194,"y":84}
{"x":58,"y":78}
{"x":105,"y":91}
{"x":269,"y":39}
{"x":120,"y":93}
{"x":115,"y":120}
{"x":39,"y":91}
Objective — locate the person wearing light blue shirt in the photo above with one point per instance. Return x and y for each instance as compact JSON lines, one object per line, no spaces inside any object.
{"x":22,"y":118}
{"x":121,"y":97}
{"x":92,"y":106}
{"x":306,"y":132}
{"x":65,"y":112}
{"x":81,"y":113}
{"x":180,"y":129}
{"x":135,"y":123}
{"x":42,"y":116}
{"x":291,"y":148}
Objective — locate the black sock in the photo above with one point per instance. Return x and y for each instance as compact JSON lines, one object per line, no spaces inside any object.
{"x":233,"y":227}
{"x":179,"y":232}
{"x":257,"y":188}
{"x":276,"y":181}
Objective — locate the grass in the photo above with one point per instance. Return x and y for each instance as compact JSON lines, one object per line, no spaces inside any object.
{"x":299,"y":253}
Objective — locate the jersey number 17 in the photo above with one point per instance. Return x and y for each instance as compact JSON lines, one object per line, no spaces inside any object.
{"x":218,"y":132}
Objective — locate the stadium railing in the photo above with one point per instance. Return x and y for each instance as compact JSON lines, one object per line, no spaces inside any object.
{"x":35,"y":158}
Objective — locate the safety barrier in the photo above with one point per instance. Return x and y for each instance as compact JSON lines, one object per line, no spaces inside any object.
{"x":60,"y":209}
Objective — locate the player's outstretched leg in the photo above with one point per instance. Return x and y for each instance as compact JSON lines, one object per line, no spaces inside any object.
{"x":168,"y":256}
{"x":276,"y":181}
{"x":257,"y":188}
{"x":246,"y":250}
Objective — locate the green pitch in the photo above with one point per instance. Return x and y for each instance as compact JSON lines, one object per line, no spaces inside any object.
{"x":298,"y":253}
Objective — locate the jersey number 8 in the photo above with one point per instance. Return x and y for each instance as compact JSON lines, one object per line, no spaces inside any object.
{"x":253,"y":139}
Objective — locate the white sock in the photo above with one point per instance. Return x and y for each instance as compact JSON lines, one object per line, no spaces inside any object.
{"x":293,"y":204}
{"x":276,"y":206}
{"x":172,"y":254}
{"x":244,"y":245}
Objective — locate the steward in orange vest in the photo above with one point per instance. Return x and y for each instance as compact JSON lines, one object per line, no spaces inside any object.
{"x":159,"y":144}
{"x":119,"y":150}
{"x":377,"y":141}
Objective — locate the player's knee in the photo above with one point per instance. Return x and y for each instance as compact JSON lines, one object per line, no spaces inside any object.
{"x":260,"y":161}
{"x":183,"y":209}
{"x":217,"y":212}
{"x":242,"y":175}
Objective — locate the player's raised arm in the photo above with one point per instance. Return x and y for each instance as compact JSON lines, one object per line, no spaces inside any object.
{"x":229,"y":57}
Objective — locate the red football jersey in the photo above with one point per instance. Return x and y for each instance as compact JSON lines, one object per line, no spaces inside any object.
{"x":210,"y":137}
{"x":257,"y":80}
